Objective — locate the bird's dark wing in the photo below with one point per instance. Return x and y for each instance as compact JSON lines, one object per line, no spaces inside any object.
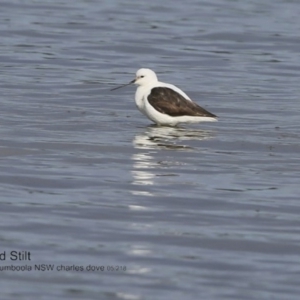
{"x":169,"y":102}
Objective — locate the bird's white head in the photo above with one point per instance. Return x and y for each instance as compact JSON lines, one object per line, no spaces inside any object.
{"x":144,"y":77}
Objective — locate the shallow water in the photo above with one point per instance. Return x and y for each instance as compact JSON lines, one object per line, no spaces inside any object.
{"x":208,"y":210}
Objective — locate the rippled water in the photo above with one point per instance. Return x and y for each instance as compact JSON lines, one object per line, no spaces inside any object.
{"x":208,"y":211}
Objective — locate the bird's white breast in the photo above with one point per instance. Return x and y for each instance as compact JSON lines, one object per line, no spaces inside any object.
{"x":141,"y":95}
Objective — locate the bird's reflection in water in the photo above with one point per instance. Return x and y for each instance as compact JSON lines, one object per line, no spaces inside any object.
{"x":145,"y":167}
{"x":156,"y":137}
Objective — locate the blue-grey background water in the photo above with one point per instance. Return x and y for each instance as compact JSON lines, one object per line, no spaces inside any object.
{"x":206,"y":211}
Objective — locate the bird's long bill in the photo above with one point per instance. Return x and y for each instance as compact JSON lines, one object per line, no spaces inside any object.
{"x":118,"y":87}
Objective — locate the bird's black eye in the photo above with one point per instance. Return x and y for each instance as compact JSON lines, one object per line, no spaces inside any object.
{"x":142,"y":76}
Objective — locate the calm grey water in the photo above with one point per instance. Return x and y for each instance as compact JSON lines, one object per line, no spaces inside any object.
{"x":207,"y":211}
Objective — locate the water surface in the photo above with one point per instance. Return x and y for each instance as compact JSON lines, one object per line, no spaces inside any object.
{"x":208,"y":210}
